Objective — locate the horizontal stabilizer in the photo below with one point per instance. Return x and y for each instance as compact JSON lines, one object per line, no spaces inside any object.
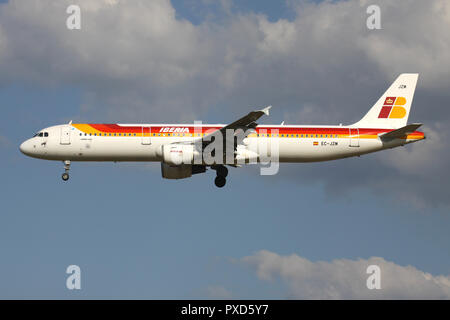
{"x":400,"y":133}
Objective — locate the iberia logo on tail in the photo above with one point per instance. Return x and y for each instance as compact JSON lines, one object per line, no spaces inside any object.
{"x":393,"y":108}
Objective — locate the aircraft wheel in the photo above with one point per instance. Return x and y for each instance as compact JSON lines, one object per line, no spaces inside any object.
{"x":65,"y":176}
{"x":220,"y":181}
{"x":222,"y":171}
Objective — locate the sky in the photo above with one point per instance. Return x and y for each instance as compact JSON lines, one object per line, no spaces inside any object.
{"x":309,"y":232}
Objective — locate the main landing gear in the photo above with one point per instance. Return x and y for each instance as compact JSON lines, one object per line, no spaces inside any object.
{"x":65,"y":175}
{"x":222,"y":173}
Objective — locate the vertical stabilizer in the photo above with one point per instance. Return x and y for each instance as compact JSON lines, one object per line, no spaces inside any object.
{"x":392,"y":109}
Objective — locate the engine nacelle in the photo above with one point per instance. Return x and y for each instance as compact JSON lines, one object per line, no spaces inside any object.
{"x":178,"y":154}
{"x":180,"y":172}
{"x":245,"y":155}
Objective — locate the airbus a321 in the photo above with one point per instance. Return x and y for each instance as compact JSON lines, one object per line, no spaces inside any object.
{"x":180,"y":148}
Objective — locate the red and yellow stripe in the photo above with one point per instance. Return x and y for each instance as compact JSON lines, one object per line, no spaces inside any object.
{"x":262,"y":131}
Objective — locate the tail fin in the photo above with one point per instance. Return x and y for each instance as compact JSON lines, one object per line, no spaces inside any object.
{"x":392,"y":109}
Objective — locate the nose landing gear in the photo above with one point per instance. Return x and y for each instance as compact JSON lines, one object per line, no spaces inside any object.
{"x":221,"y":172}
{"x":65,"y":175}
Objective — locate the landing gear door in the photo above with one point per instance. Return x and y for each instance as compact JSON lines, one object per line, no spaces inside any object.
{"x":65,"y":135}
{"x":146,"y":135}
{"x":354,"y":137}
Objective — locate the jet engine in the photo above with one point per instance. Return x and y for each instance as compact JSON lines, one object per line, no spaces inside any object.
{"x":181,"y":171}
{"x":177,"y":154}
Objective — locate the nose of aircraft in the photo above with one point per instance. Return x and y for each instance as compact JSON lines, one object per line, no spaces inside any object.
{"x":26,"y":148}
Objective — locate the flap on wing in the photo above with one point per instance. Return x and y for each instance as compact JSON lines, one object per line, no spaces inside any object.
{"x":401,"y":132}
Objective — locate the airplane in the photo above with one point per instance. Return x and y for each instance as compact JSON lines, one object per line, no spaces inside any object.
{"x":383,"y":127}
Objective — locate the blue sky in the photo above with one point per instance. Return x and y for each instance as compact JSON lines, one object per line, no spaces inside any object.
{"x":198,"y":11}
{"x":136,"y":235}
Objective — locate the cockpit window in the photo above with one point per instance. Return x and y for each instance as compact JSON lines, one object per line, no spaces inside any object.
{"x":41,"y":134}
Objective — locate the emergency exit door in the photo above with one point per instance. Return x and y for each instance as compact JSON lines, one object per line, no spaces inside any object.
{"x":146,"y":138}
{"x":354,"y":137}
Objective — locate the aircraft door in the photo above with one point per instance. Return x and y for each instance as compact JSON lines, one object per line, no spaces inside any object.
{"x":354,"y":137}
{"x":146,"y":138}
{"x":65,"y":135}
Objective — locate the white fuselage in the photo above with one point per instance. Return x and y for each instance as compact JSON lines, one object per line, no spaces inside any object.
{"x":185,"y":150}
{"x":295,"y":143}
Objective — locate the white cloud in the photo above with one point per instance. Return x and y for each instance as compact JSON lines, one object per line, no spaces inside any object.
{"x":408,"y":43}
{"x":346,"y":279}
{"x":423,"y":156}
{"x":140,"y":51}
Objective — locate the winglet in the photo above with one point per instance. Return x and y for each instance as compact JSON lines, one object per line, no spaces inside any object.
{"x":266,"y":110}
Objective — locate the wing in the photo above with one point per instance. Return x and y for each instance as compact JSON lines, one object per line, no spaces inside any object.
{"x":247,"y":124}
{"x":244,"y":123}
